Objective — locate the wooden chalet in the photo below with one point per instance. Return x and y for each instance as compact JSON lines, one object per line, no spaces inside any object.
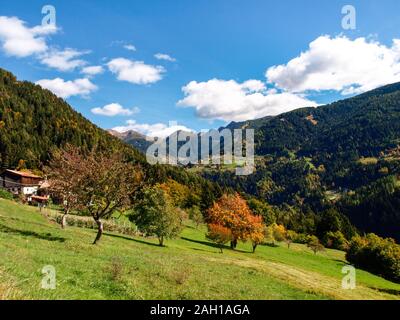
{"x":20,"y":182}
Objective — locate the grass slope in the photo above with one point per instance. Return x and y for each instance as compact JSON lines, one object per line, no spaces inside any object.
{"x":188,"y":268}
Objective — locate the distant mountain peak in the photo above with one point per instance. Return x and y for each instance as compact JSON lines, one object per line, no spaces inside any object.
{"x":132,"y":137}
{"x":126,"y":134}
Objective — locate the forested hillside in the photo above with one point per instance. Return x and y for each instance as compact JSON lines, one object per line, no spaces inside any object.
{"x":34,"y":123}
{"x":343,"y":155}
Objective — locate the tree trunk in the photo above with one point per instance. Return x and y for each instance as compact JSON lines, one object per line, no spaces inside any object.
{"x":254,"y":247}
{"x":220,"y":248}
{"x":99,"y":230}
{"x":64,"y":219}
{"x":233,"y":244}
{"x":161,"y":241}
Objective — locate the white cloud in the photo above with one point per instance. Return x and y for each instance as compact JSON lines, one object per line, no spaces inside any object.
{"x":136,"y":72}
{"x":21,"y":41}
{"x":130,"y":47}
{"x":232,"y":101}
{"x":163,"y":56}
{"x":63,"y":60}
{"x":114,"y":109}
{"x":92,"y":70}
{"x":160,"y":130}
{"x":65,"y":89}
{"x":341,"y":64}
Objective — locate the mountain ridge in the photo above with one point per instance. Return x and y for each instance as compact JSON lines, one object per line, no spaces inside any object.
{"x":341,"y":155}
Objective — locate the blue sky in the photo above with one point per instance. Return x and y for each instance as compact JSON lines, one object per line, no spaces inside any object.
{"x":230,"y":41}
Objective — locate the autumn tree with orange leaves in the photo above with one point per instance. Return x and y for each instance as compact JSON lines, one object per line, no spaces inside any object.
{"x":256,"y":234}
{"x":232,"y":212}
{"x":219,"y":235}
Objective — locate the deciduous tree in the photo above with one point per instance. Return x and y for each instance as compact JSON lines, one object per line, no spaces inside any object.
{"x":154,"y":214}
{"x":96,"y":183}
{"x":65,"y":171}
{"x":219,"y":235}
{"x":279,"y":232}
{"x":196,"y":216}
{"x":256,"y":234}
{"x":108,"y":186}
{"x":315,"y":245}
{"x":232,"y":212}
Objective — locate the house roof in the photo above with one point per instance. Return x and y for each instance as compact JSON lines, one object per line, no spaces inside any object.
{"x":23,"y":174}
{"x":40,"y":198}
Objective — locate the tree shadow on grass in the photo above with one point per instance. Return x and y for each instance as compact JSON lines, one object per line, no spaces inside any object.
{"x":341,"y":261}
{"x":27,"y":233}
{"x":210,"y":244}
{"x":190,"y":227}
{"x":132,"y":239}
{"x":202,"y":250}
{"x":271,"y":245}
{"x":24,"y":221}
{"x":193,"y":228}
{"x":389,"y":291}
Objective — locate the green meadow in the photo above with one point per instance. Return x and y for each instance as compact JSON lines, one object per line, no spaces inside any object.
{"x":189,"y":267}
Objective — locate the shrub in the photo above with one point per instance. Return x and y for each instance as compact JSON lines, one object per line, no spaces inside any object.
{"x":273,"y":233}
{"x":315,"y":245}
{"x":376,"y":255}
{"x":4,"y":194}
{"x":290,"y":237}
{"x":21,"y":198}
{"x":180,"y":276}
{"x":116,"y":269}
{"x":269,"y":235}
{"x":336,"y":240}
{"x":196,"y":216}
{"x":279,"y":232}
{"x":301,"y":238}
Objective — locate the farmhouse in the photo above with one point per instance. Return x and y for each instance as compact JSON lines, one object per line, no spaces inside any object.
{"x":19,"y":182}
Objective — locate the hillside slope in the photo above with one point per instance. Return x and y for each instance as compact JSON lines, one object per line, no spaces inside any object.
{"x":364,"y":125}
{"x":190,"y":267}
{"x":34,"y":121}
{"x":344,"y":154}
